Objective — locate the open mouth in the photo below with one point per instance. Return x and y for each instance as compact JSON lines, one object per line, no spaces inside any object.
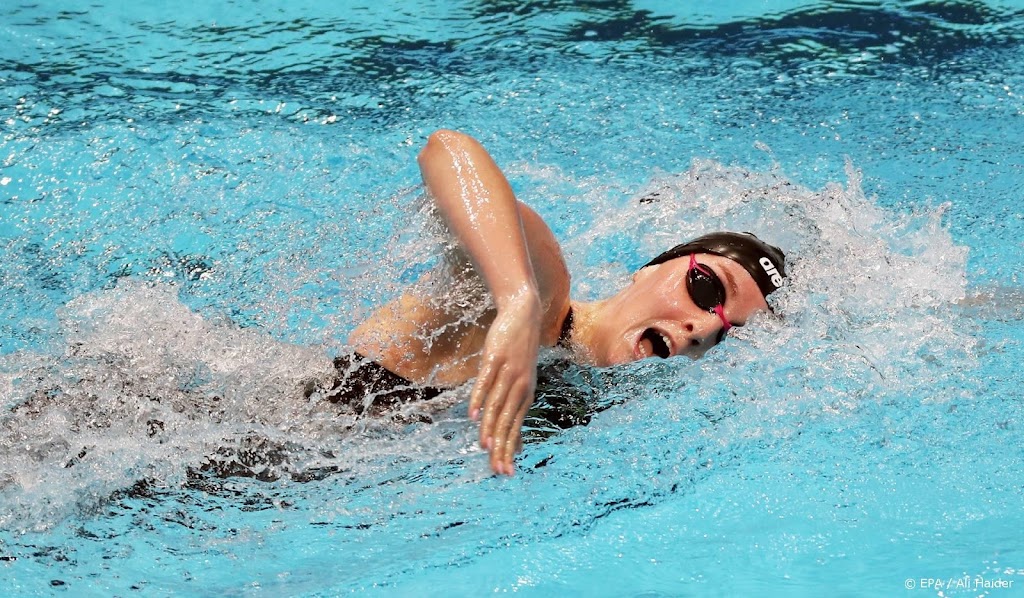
{"x":659,"y":343}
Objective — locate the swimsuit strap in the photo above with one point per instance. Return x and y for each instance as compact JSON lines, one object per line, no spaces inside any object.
{"x":566,"y":332}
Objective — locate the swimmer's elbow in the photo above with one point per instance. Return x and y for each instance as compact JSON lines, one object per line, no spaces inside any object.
{"x":443,"y":142}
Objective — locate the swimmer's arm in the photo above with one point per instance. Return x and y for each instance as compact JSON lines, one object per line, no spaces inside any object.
{"x":480,"y":209}
{"x":478,"y":205}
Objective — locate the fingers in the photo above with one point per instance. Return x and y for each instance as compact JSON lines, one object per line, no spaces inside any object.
{"x":507,"y":436}
{"x":505,"y":448}
{"x":497,"y":398}
{"x":505,"y":400}
{"x":481,"y":389}
{"x":503,"y":393}
{"x":512,"y":445}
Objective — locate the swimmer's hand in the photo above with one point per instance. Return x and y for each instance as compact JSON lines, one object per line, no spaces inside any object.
{"x":508,"y":378}
{"x":502,"y":239}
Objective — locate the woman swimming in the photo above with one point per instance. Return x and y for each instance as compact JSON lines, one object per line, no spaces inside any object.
{"x":681,"y":303}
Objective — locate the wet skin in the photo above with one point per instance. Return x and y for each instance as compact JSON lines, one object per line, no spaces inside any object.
{"x":515,"y":253}
{"x":655,"y":316}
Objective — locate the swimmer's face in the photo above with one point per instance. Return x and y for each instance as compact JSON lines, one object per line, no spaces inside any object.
{"x":656,"y":316}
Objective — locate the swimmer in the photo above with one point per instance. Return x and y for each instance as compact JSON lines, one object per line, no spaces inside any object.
{"x":682,"y":302}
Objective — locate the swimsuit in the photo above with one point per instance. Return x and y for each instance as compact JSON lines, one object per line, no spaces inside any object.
{"x":360,"y":378}
{"x":369,"y":388}
{"x":566,"y":331}
{"x":567,"y":394}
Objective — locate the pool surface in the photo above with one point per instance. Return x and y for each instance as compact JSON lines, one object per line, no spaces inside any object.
{"x":198,"y":201}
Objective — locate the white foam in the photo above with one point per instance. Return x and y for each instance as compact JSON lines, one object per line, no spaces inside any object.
{"x":144,"y":388}
{"x":148,"y":388}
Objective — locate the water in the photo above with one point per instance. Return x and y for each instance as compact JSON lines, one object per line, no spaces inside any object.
{"x":199,"y":202}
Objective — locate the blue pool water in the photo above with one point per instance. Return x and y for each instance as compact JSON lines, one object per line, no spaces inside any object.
{"x":200,"y":200}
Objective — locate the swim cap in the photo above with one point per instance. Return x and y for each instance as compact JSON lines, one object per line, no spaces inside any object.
{"x":765,"y":263}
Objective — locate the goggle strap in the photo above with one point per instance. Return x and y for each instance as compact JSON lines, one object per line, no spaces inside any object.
{"x":726,"y":324}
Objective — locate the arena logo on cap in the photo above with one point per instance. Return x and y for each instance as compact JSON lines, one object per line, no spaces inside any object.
{"x":770,"y":269}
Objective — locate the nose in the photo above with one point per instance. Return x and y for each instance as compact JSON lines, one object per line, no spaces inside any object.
{"x":701,"y":333}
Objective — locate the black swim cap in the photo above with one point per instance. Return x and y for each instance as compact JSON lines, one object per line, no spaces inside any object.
{"x":765,"y":263}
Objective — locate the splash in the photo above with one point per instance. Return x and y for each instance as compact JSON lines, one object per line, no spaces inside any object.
{"x":141,"y":390}
{"x":866,"y":285}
